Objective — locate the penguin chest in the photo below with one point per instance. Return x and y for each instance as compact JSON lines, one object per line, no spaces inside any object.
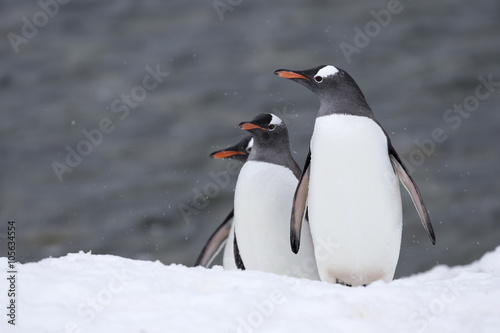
{"x":228,"y":258}
{"x":354,"y":201}
{"x":262,"y":208}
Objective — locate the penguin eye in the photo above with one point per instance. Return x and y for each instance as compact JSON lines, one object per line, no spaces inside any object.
{"x":249,"y":149}
{"x":271,"y":127}
{"x":318,"y":78}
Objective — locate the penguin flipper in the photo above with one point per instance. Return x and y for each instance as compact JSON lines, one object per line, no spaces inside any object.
{"x":299,"y":206}
{"x":237,"y":256}
{"x":412,"y":189}
{"x":216,"y":242}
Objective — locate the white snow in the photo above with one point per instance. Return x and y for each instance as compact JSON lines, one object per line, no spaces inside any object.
{"x":103,"y":293}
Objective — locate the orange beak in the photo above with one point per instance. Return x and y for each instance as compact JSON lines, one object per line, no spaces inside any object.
{"x":250,"y":126}
{"x":290,"y":75}
{"x":226,"y":154}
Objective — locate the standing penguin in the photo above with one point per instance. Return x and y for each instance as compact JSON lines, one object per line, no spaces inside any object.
{"x":263,"y":201}
{"x":350,"y":181}
{"x":216,"y":242}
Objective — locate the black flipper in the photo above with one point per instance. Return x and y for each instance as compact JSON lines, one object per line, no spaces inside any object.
{"x":216,"y":242}
{"x":299,"y":206}
{"x":237,"y":256}
{"x":412,"y":189}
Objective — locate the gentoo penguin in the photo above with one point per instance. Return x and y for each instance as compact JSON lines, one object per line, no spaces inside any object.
{"x":350,"y":182}
{"x":239,"y":151}
{"x":263,"y":202}
{"x":216,"y":242}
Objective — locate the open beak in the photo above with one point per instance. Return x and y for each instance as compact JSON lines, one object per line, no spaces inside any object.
{"x":290,"y":74}
{"x":249,"y":126}
{"x":225,"y":154}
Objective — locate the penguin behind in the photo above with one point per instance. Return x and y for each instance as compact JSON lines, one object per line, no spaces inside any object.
{"x":350,"y":182}
{"x":218,"y":239}
{"x":239,"y":151}
{"x":263,"y":202}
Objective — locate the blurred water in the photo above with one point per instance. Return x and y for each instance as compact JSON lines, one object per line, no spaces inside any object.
{"x":124,"y":197}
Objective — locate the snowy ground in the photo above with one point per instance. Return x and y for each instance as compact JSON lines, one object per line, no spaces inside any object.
{"x":101,"y":293}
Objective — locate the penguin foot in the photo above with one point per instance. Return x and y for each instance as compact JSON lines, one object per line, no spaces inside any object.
{"x":342,"y":283}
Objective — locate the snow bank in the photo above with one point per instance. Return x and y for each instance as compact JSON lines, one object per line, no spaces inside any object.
{"x":102,"y":293}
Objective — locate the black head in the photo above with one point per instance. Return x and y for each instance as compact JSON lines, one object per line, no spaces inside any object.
{"x":239,"y":151}
{"x":336,"y":89}
{"x":267,"y":129}
{"x":271,"y":141}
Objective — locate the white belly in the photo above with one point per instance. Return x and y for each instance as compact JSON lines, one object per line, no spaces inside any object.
{"x":262,"y":209}
{"x":354,"y":201}
{"x":228,"y":258}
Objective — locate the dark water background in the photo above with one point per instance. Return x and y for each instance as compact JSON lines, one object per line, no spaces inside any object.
{"x":124,"y":197}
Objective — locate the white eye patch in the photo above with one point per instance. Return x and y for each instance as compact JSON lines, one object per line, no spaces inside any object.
{"x":250,"y":144}
{"x":275,"y":120}
{"x":327,"y":71}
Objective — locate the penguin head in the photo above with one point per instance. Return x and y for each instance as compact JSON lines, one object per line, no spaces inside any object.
{"x":317,"y":79}
{"x":239,"y":151}
{"x":330,"y":83}
{"x":266,"y":129}
{"x":271,"y":141}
